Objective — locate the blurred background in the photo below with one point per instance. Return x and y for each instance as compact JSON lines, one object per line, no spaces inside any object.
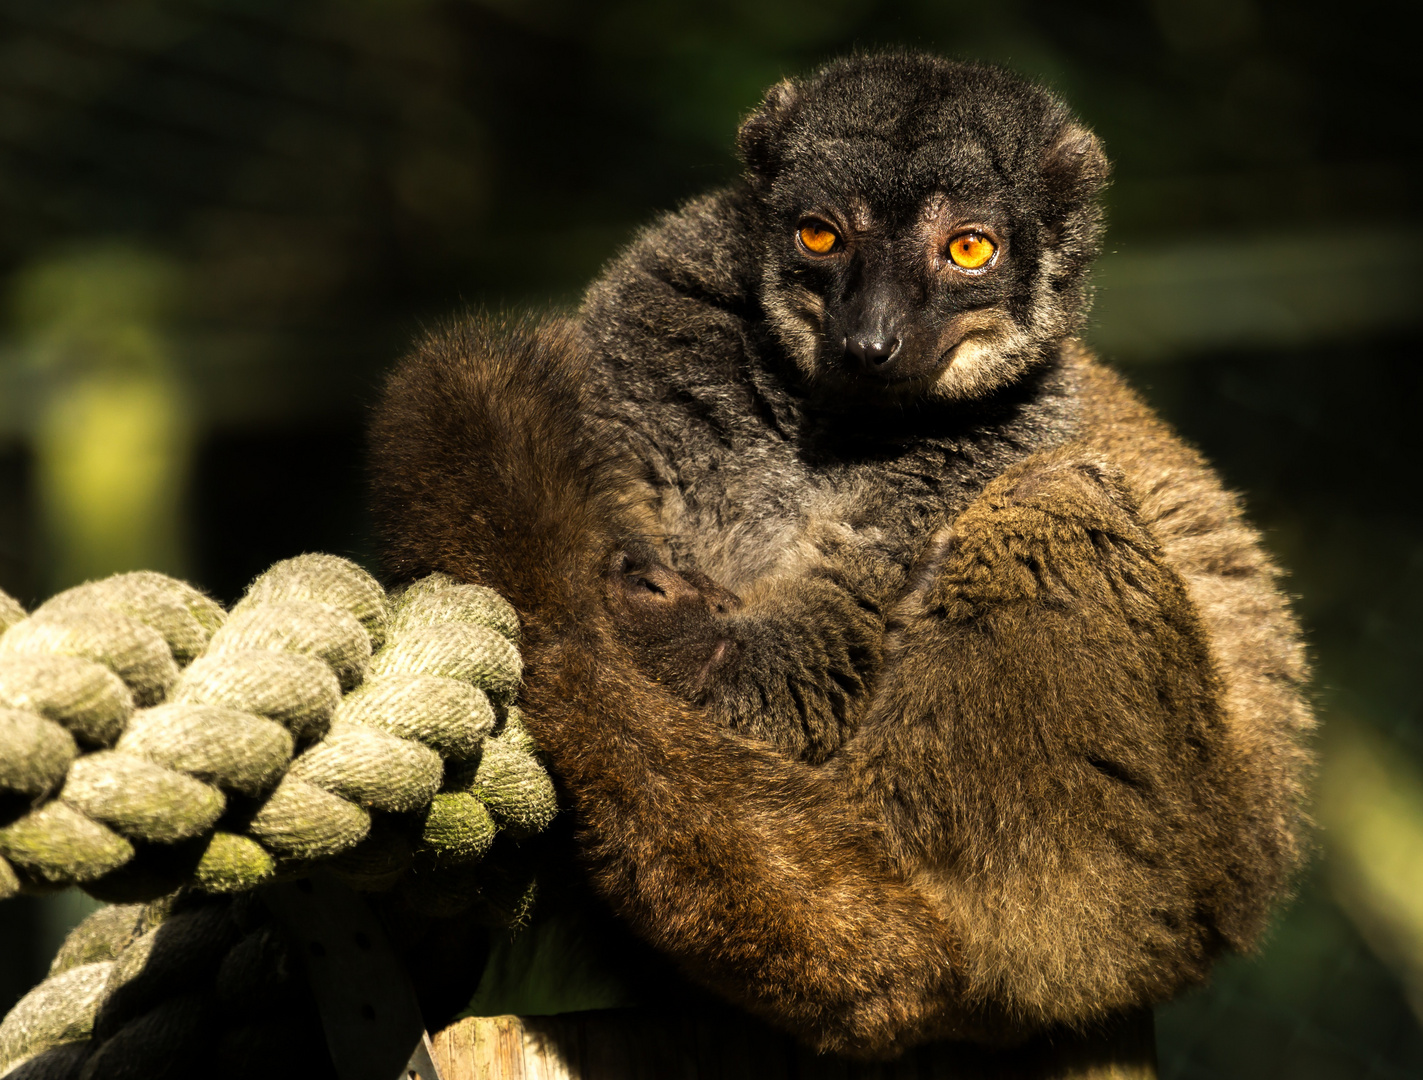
{"x":220,"y":221}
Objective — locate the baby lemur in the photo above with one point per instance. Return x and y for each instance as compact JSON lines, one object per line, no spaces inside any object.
{"x":907,"y":677}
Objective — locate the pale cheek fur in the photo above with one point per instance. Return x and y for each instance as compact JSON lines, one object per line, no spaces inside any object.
{"x":979,"y":364}
{"x":797,"y":316}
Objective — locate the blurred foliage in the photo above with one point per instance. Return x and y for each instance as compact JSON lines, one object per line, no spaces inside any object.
{"x":111,"y":457}
{"x":111,"y":438}
{"x":220,"y":219}
{"x":1371,"y":801}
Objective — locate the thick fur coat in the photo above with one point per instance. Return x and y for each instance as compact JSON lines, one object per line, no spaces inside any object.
{"x":907,"y":677}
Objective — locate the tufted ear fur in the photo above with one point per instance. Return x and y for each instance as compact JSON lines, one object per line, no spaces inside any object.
{"x":758,"y":141}
{"x":1075,"y":170}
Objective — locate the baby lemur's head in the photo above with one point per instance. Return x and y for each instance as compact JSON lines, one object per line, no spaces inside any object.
{"x":926,"y":225}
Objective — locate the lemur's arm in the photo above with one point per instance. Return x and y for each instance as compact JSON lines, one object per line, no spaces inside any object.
{"x":751,"y":869}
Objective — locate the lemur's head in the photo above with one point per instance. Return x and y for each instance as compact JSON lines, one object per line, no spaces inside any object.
{"x":927,"y":225}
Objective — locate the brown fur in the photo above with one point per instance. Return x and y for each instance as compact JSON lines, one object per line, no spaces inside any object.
{"x":1002,"y":726}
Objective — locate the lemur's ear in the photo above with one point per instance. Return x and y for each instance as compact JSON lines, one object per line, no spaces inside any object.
{"x":1075,"y":169}
{"x":759,"y":139}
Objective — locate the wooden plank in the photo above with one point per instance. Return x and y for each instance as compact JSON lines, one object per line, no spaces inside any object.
{"x":645,"y":1045}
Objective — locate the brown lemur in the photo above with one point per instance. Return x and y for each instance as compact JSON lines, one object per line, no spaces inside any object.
{"x":907,"y":677}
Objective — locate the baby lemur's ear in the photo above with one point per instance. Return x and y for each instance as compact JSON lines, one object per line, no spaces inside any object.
{"x":759,"y":140}
{"x":1075,"y":169}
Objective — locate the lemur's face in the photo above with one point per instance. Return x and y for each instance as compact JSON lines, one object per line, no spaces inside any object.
{"x":925,"y":294}
{"x":902,"y":257}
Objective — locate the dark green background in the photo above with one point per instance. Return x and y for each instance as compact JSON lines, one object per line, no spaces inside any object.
{"x":321,"y":179}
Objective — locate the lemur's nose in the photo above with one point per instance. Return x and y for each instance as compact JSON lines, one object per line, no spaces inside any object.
{"x":872,"y":352}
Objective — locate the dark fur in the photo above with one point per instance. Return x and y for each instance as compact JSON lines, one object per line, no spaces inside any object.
{"x":951,"y":700}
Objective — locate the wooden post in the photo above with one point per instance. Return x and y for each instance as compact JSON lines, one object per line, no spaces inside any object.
{"x":643,"y":1045}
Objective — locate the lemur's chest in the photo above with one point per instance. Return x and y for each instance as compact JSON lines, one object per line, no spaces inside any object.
{"x":742,"y":506}
{"x":740,"y":476}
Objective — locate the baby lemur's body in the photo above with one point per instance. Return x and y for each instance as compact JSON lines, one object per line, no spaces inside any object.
{"x":907,"y":676}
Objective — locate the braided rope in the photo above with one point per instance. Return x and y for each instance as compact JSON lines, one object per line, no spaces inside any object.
{"x":263,"y":739}
{"x":200,"y":984}
{"x":181,"y":987}
{"x":150,"y":742}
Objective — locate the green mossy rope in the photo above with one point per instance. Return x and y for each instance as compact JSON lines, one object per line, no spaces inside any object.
{"x":151,"y":742}
{"x":273,"y":733}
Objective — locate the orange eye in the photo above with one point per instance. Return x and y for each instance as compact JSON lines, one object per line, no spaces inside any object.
{"x":819,"y":238}
{"x":971,"y":250}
